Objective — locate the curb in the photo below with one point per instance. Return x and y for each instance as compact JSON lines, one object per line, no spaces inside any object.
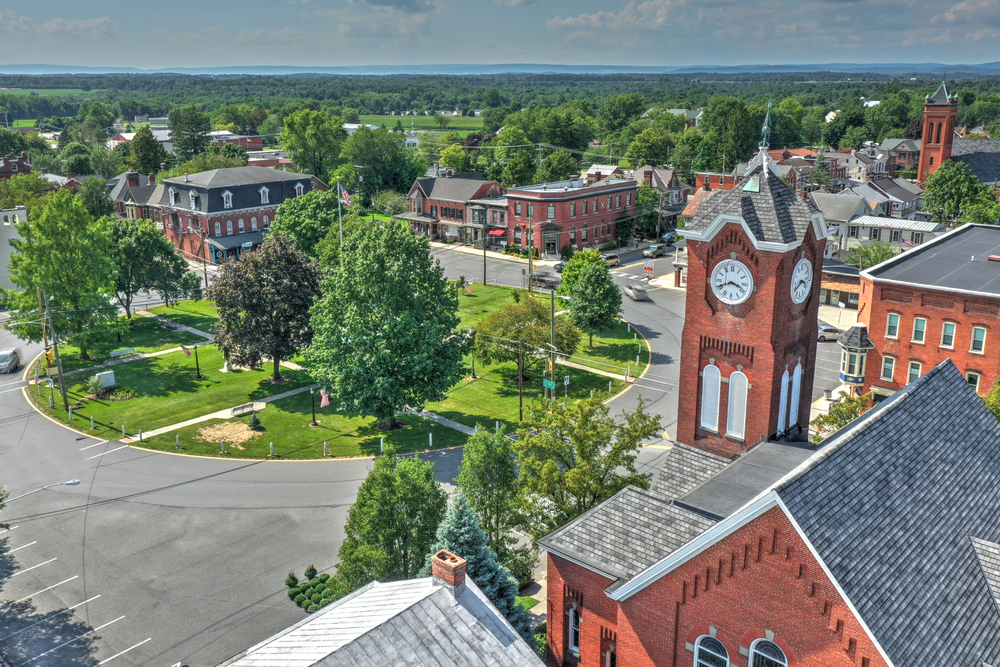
{"x":644,"y":371}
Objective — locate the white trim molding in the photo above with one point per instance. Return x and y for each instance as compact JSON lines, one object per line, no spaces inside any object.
{"x":771,"y":246}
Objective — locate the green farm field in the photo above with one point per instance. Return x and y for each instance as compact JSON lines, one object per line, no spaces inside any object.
{"x":49,"y":92}
{"x":424,"y":122}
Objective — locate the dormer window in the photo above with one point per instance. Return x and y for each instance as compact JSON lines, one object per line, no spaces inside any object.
{"x":13,"y":166}
{"x":193,"y":196}
{"x":299,"y":189}
{"x":173,"y":197}
{"x":227,"y":199}
{"x":263,"y":195}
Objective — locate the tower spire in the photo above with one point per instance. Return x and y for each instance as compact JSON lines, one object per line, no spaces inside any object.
{"x":765,"y":131}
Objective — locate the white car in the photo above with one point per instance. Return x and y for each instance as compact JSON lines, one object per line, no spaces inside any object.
{"x":826,"y":332}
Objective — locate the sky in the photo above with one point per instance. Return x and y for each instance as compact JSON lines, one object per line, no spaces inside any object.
{"x":329,"y":33}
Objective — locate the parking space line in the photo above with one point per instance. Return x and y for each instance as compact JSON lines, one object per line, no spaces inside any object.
{"x":123,"y":652}
{"x":7,"y":530}
{"x":33,"y":567}
{"x":88,"y":632}
{"x":103,"y":442}
{"x":76,"y":576}
{"x":22,"y":547}
{"x":107,"y":452}
{"x":58,"y":613}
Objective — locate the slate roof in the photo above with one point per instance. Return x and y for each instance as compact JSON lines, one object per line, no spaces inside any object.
{"x":893,"y":188}
{"x":989,"y":559}
{"x":869,"y":194}
{"x":774,"y":214}
{"x":857,"y":337}
{"x":683,"y":469}
{"x":626,"y":533}
{"x":982,"y":156}
{"x":837,"y":207}
{"x":221,"y":178}
{"x":891,"y":503}
{"x":941,"y":96}
{"x":415,"y":622}
{"x":458,"y":188}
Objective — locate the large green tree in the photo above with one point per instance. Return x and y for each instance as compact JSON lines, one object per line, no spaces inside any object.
{"x":528,"y":321}
{"x":63,"y":252}
{"x":650,"y":147}
{"x":264,"y":302}
{"x":596,"y":300}
{"x":314,"y":141}
{"x":730,"y":131}
{"x":392,"y":524}
{"x":519,"y":170}
{"x":96,"y":197}
{"x":146,"y":154}
{"x":382,"y":160}
{"x":189,"y":130}
{"x":620,"y":110}
{"x":557,"y":166}
{"x":575,"y":457}
{"x":142,"y":260}
{"x":106,"y":162}
{"x":867,"y":256}
{"x":461,"y":534}
{"x":385,"y":326}
{"x":488,"y":479}
{"x":307,"y":219}
{"x":28,"y":190}
{"x":952,"y":190}
{"x":454,"y":157}
{"x":76,"y":159}
{"x":841,"y":413}
{"x":571,"y":272}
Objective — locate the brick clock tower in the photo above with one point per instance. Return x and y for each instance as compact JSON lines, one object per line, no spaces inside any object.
{"x":940,"y":114}
{"x":749,"y":344}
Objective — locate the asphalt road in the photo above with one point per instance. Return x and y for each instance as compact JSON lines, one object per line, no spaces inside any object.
{"x":164,"y":560}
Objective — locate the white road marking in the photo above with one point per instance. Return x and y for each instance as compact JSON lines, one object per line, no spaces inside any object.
{"x":107,"y":452}
{"x":72,"y":640}
{"x":58,"y":613}
{"x":34,"y":566}
{"x":7,"y":391}
{"x":47,"y":589}
{"x":22,"y":547}
{"x":7,"y":530}
{"x":103,"y":442}
{"x":123,"y":652}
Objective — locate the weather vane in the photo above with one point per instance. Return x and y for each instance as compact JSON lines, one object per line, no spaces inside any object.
{"x":765,"y":132}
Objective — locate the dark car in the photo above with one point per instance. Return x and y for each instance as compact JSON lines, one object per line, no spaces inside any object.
{"x":559,"y":266}
{"x":668,"y":237}
{"x":636,"y":292}
{"x":10,"y":360}
{"x":613,"y":260}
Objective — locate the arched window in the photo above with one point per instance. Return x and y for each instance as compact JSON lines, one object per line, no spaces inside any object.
{"x":229,"y":226}
{"x":574,"y":630}
{"x":264,"y":195}
{"x":939,"y":133}
{"x":265,"y":222}
{"x":929,"y":133}
{"x":709,"y":652}
{"x":783,"y":404}
{"x":711,"y":381}
{"x":299,"y":189}
{"x":767,"y":654}
{"x":242,"y":226}
{"x":218,"y":229}
{"x":737,"y":413}
{"x":253,"y":224}
{"x":793,"y":407}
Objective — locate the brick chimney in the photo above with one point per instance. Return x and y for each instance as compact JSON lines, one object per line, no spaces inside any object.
{"x":132,"y":178}
{"x":648,"y":175}
{"x":449,"y":569}
{"x":163,"y":166}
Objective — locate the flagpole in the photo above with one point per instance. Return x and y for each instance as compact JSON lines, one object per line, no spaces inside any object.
{"x":197,"y":365}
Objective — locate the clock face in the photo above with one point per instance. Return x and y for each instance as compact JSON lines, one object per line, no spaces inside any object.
{"x":732,"y":281}
{"x":802,"y":278}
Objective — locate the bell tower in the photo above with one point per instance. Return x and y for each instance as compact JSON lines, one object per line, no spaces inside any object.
{"x":940,"y":115}
{"x":748,"y":349}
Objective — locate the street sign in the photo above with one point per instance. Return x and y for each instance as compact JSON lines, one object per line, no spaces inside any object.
{"x":548,"y":384}
{"x":566,"y":380}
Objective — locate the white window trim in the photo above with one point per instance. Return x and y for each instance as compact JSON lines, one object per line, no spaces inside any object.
{"x":972,"y":341}
{"x":299,"y":189}
{"x":913,"y":335}
{"x":574,"y":612}
{"x":738,"y":383}
{"x":753,"y":649}
{"x":783,"y":403}
{"x":793,"y":403}
{"x":698,"y":647}
{"x":218,"y":229}
{"x":709,"y":398}
{"x":888,"y":317}
{"x":229,"y":227}
{"x":173,"y":197}
{"x":979,"y":378}
{"x":954,"y":332}
{"x":882,"y":375}
{"x":264,"y":195}
{"x":909,"y":371}
{"x":227,"y":199}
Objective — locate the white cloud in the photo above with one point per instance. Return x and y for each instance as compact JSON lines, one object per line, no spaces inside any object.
{"x":968,"y":11}
{"x":271,"y":37}
{"x":649,"y":15}
{"x":97,"y":28}
{"x":517,"y":3}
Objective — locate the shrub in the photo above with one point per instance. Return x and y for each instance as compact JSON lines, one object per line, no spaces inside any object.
{"x":323,"y":577}
{"x":292,"y":592}
{"x":310,"y":572}
{"x":291,"y":580}
{"x":254,"y":422}
{"x":312,"y":608}
{"x":326,"y":601}
{"x":94,"y":386}
{"x":610,"y":245}
{"x":316,"y":597}
{"x":320,"y":588}
{"x":299,"y":599}
{"x":122,"y":394}
{"x":567,"y":251}
{"x":541,"y":645}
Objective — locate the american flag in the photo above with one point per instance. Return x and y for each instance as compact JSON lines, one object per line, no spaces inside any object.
{"x":187,"y":352}
{"x":345,"y":195}
{"x":325,"y":400}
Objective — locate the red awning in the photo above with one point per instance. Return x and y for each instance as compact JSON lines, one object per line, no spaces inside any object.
{"x":497,"y":232}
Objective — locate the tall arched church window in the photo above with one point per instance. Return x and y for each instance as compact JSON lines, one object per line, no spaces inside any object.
{"x":709,"y":652}
{"x":783,"y":404}
{"x":737,"y":413}
{"x":939,"y":133}
{"x":767,"y":654}
{"x":930,"y":133}
{"x":711,"y":381}
{"x":793,"y":405}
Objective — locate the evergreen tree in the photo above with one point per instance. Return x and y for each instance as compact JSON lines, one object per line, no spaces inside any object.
{"x":189,"y":130}
{"x":145,"y":152}
{"x":461,"y":534}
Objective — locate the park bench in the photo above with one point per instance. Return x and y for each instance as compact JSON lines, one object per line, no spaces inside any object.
{"x":241,"y":410}
{"x":124,"y":352}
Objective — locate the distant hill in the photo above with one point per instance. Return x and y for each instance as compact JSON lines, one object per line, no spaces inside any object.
{"x":895,"y":69}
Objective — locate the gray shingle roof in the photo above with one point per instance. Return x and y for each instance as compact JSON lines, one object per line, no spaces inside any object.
{"x":774,"y":214}
{"x":416,"y":623}
{"x":982,"y":156}
{"x":890,"y":505}
{"x":626,"y":533}
{"x":900,"y":145}
{"x":461,"y":187}
{"x":839,"y":207}
{"x":857,"y":338}
{"x":219,"y":178}
{"x":683,"y":469}
{"x":989,"y":560}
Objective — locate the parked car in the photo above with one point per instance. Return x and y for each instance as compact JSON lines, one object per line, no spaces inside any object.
{"x":827,"y":332}
{"x":613,"y":260}
{"x":10,"y":360}
{"x":668,"y":237}
{"x":636,"y":292}
{"x":559,"y":266}
{"x":655,"y":250}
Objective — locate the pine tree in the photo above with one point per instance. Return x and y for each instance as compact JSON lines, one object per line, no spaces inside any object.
{"x":459,"y":532}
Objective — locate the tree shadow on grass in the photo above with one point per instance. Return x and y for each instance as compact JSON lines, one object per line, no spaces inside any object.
{"x":25,"y":632}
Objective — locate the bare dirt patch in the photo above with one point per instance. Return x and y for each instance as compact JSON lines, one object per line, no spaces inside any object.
{"x":234,"y":433}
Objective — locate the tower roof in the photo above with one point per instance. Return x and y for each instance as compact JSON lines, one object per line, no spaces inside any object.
{"x":941,"y":96}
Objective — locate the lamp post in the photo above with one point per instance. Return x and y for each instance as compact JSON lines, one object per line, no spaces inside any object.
{"x":472,"y":332}
{"x":312,"y":397}
{"x":202,"y":234}
{"x":72,"y":482}
{"x":197,"y":365}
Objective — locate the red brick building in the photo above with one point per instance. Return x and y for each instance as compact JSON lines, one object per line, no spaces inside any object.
{"x":751,"y":315}
{"x":797,"y":557}
{"x":940,"y":115}
{"x":553,"y":215}
{"x":442,"y":207}
{"x":13,"y":165}
{"x":938,"y":301}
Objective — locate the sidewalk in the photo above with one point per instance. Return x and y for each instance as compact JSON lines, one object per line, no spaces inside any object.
{"x":843,"y":319}
{"x":177,"y":327}
{"x":607,"y":374}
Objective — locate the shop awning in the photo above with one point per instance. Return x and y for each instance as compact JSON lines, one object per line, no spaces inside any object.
{"x":497,"y":232}
{"x":237,"y":240}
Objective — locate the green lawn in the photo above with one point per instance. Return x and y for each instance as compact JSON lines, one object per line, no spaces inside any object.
{"x":198,"y":314}
{"x":422,"y":122}
{"x":484,"y":300}
{"x":145,"y":335}
{"x":526,"y":601}
{"x":614,"y":351}
{"x":167,"y":392}
{"x":24,"y":123}
{"x":286,"y":423}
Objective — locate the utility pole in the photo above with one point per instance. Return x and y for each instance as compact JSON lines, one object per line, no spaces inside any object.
{"x":552,"y":340}
{"x":520,"y":378}
{"x":45,"y":336}
{"x":55,"y":345}
{"x":531,"y":257}
{"x":659,"y":218}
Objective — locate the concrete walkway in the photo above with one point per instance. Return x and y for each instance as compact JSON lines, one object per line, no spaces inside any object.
{"x":177,"y":326}
{"x":443,"y":421}
{"x":607,"y":374}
